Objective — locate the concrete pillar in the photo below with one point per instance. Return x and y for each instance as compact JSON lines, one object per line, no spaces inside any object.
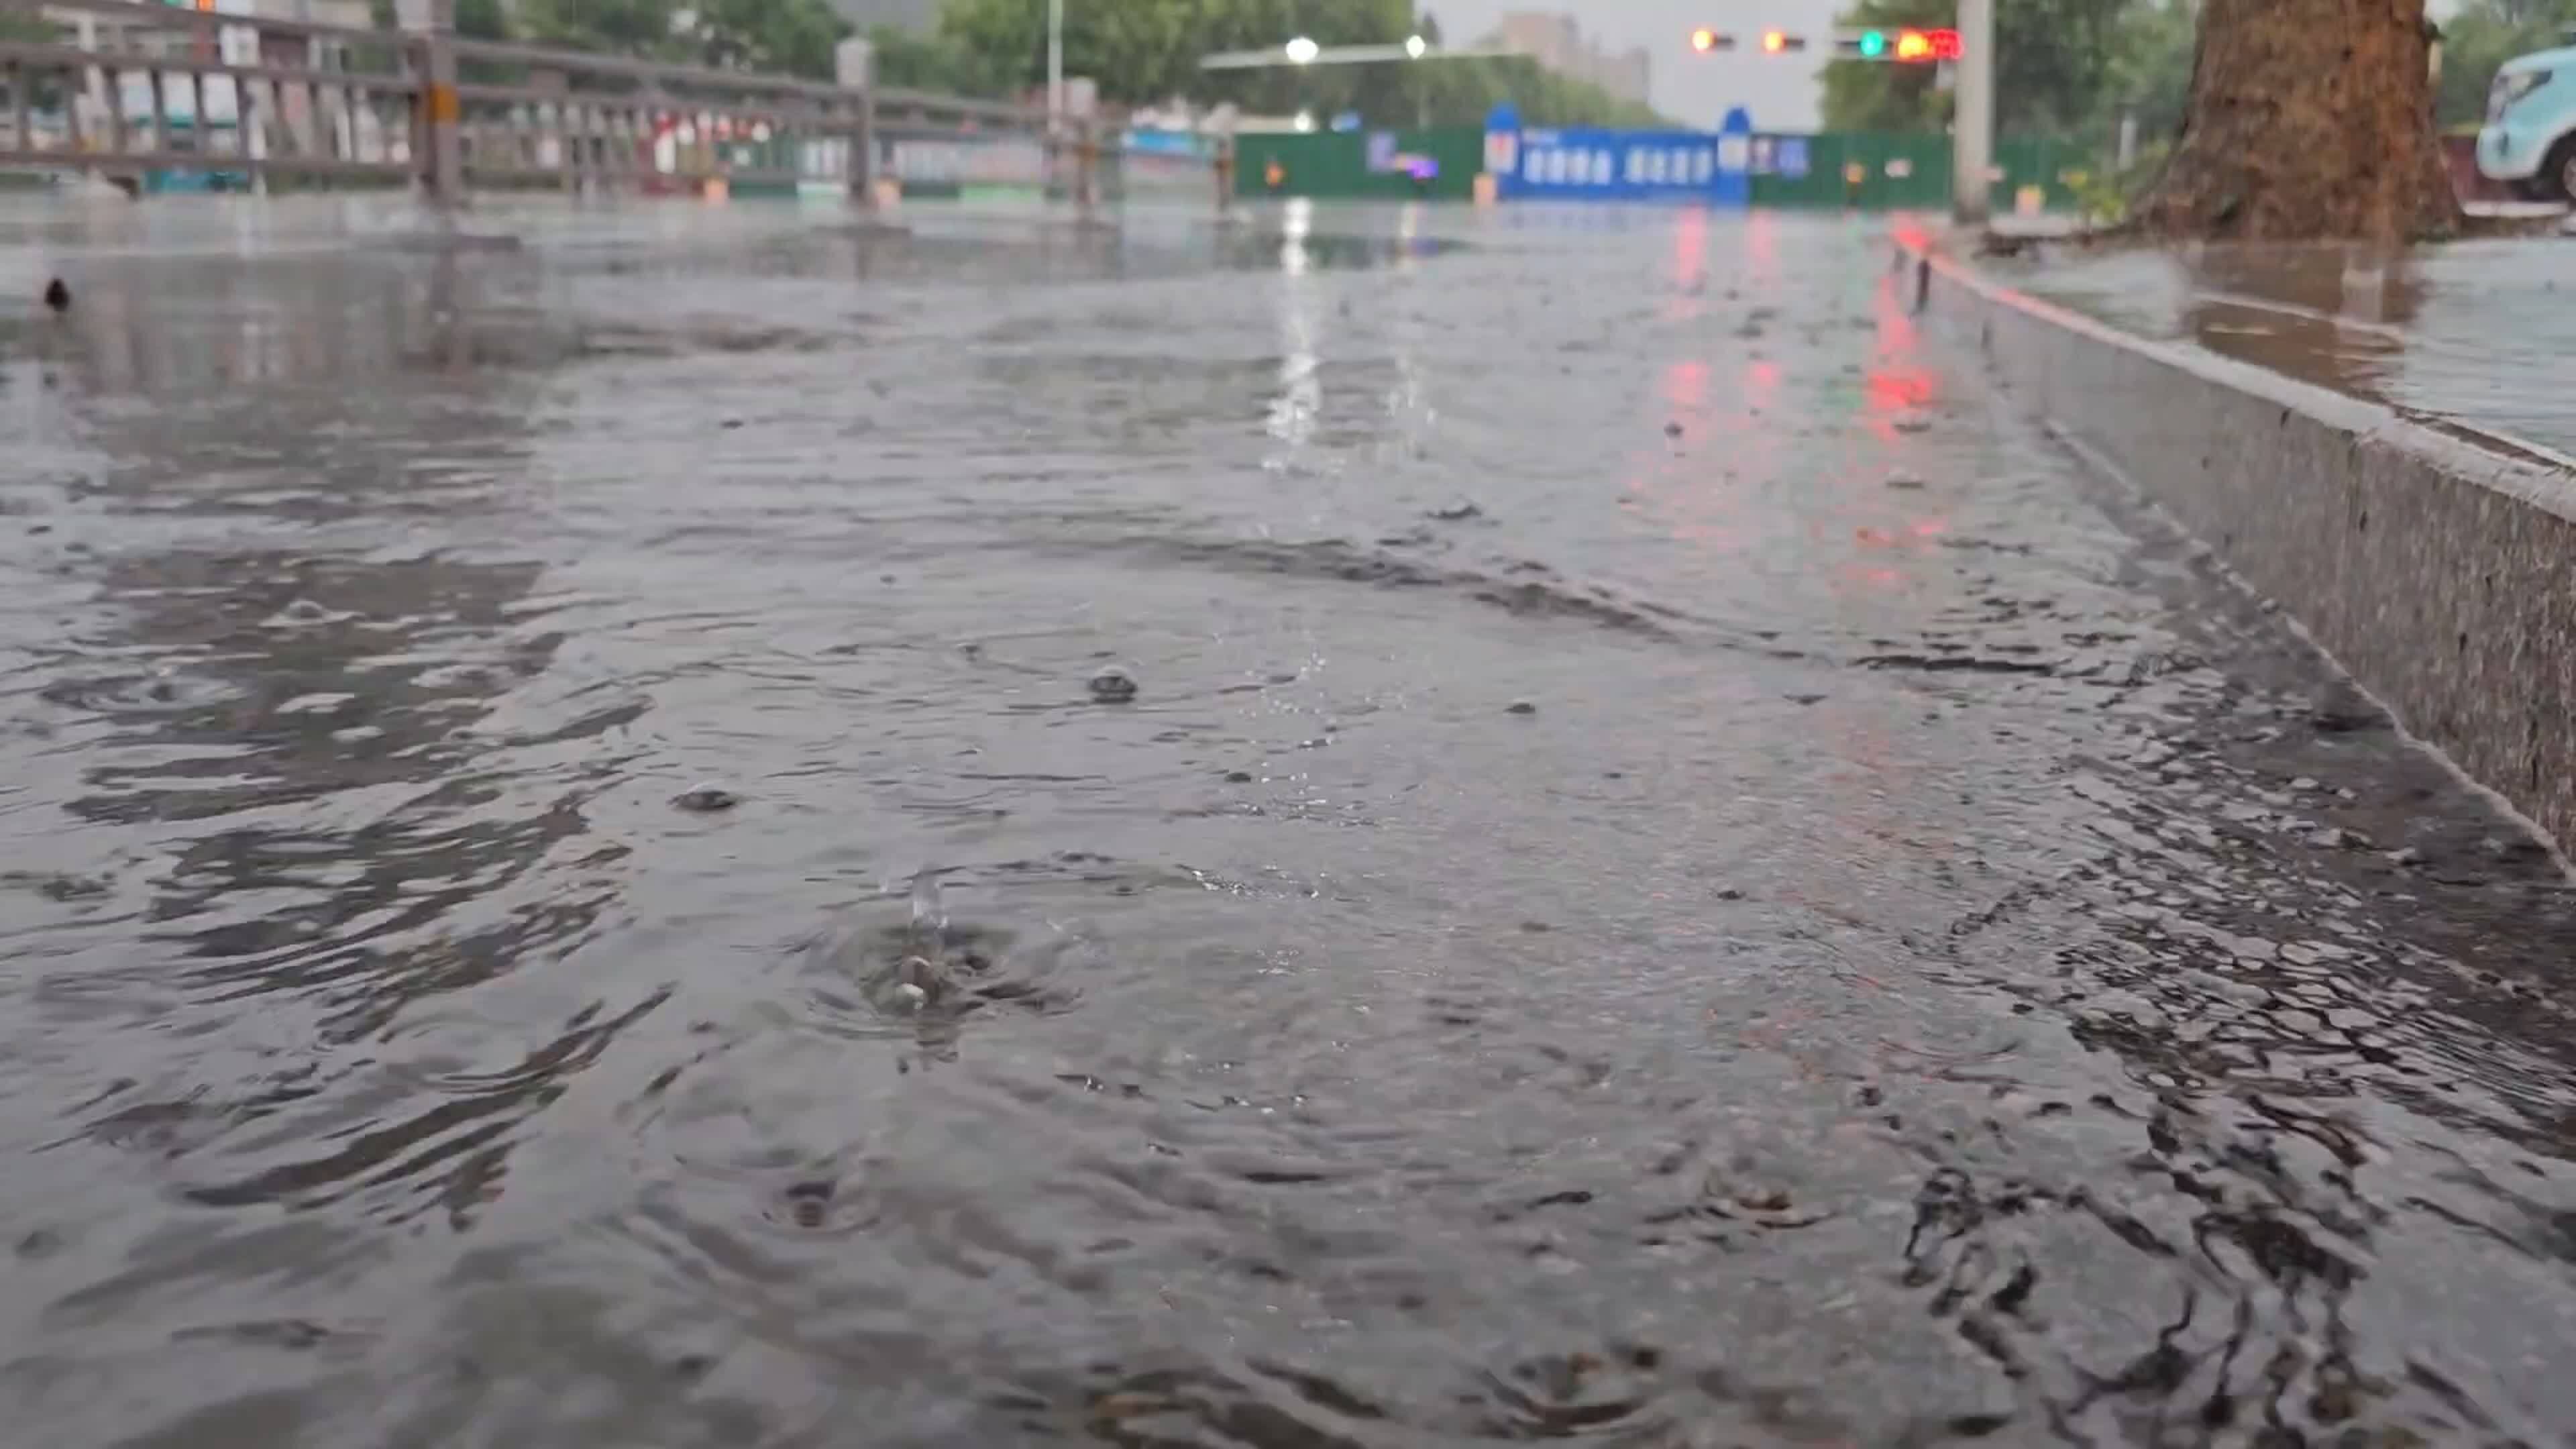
{"x":854,"y":67}
{"x":432,"y":24}
{"x":1972,"y":131}
{"x":1086,"y":164}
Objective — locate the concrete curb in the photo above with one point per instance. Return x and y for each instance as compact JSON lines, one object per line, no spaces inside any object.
{"x":2438,"y":570}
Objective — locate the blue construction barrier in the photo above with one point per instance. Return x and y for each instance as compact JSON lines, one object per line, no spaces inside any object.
{"x":1585,"y":163}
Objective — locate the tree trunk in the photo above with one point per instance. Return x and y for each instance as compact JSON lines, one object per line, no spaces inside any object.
{"x":2308,"y":119}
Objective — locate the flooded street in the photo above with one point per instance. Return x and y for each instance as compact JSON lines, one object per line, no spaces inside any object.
{"x":2469,"y":336}
{"x":1673,"y":874}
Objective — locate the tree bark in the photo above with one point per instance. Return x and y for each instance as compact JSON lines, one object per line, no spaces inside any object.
{"x":2308,"y":119}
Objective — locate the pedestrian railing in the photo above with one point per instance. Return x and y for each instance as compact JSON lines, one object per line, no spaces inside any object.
{"x":131,"y":90}
{"x":534,"y":116}
{"x":148,"y":95}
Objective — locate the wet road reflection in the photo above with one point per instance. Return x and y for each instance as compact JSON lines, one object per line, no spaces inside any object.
{"x":1669,"y":874}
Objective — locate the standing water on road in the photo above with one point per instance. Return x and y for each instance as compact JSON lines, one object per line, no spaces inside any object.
{"x":1385,"y":829}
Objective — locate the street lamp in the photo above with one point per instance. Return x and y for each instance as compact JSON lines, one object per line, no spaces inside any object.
{"x":1414,"y":46}
{"x":1055,"y":66}
{"x":1303,"y":50}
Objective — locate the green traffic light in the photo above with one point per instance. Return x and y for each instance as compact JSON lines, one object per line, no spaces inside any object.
{"x":1873,"y":44}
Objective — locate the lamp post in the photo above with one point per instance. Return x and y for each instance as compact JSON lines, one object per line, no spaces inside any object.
{"x":1972,"y":129}
{"x":1055,"y":66}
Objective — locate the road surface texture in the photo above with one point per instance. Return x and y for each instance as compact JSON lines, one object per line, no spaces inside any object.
{"x":1673,"y":875}
{"x":2474,"y":335}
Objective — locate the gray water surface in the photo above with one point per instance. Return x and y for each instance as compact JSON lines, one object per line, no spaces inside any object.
{"x":1674,"y":877}
{"x":2475,"y":335}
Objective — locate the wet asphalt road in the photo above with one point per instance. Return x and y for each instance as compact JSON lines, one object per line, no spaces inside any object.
{"x":1675,"y":876}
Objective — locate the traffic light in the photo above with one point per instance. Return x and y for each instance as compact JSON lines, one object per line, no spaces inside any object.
{"x":1705,"y":40}
{"x":1908,"y":46}
{"x":1776,"y":42}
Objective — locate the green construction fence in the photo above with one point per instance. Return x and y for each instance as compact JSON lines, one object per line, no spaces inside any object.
{"x":1878,"y":169}
{"x":1886,"y":170}
{"x":1336,"y":164}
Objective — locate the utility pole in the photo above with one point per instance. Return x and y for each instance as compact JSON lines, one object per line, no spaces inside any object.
{"x":1055,"y":66}
{"x":1972,"y":128}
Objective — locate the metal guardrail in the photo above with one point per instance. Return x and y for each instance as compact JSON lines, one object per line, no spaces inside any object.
{"x":162,"y":88}
{"x":142,"y":93}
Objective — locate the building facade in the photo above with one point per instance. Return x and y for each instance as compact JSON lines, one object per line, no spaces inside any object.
{"x":1557,"y":42}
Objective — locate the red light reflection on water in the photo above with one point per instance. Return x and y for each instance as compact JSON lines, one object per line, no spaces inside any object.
{"x":1690,"y":245}
{"x":1898,"y":389}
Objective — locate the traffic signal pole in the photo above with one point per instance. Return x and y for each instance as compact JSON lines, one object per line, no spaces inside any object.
{"x":1972,"y":128}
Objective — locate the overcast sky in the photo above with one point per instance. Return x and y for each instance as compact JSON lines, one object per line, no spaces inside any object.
{"x":1779,"y":91}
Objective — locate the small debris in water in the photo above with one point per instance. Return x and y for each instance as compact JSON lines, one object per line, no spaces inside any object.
{"x":1238,"y":777}
{"x":1804,"y":699}
{"x":1521,"y":706}
{"x":1914,"y":422}
{"x":1457,"y":510}
{"x":1729,"y":893}
{"x":1903,"y":479}
{"x":2514,"y":847}
{"x":2340,"y":709}
{"x":2409,"y":857}
{"x":1113,"y":685}
{"x":918,"y":983}
{"x":730,"y":424}
{"x":2328,"y":837}
{"x":706,"y":799}
{"x":1672,"y":430}
{"x":1537,"y":928}
{"x":58,"y":296}
{"x":808,"y":1202}
{"x":2303,"y":783}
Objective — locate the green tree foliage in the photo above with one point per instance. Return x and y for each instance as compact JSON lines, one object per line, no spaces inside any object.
{"x":44,"y":88}
{"x":790,"y":37}
{"x":2485,"y":34}
{"x":475,"y":19}
{"x":1145,"y":51}
{"x":780,"y":37}
{"x":940,"y":63}
{"x":627,"y":27}
{"x":29,"y":27}
{"x":2151,"y":65}
{"x":2063,"y":67}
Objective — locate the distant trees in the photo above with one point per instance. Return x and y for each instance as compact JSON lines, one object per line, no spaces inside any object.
{"x":790,"y":37}
{"x":2063,"y":68}
{"x":1139,"y":52}
{"x":1144,"y":51}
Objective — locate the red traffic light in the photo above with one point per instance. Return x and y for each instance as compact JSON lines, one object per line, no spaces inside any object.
{"x":1773,"y":42}
{"x":1916,"y":46}
{"x":1703,"y":40}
